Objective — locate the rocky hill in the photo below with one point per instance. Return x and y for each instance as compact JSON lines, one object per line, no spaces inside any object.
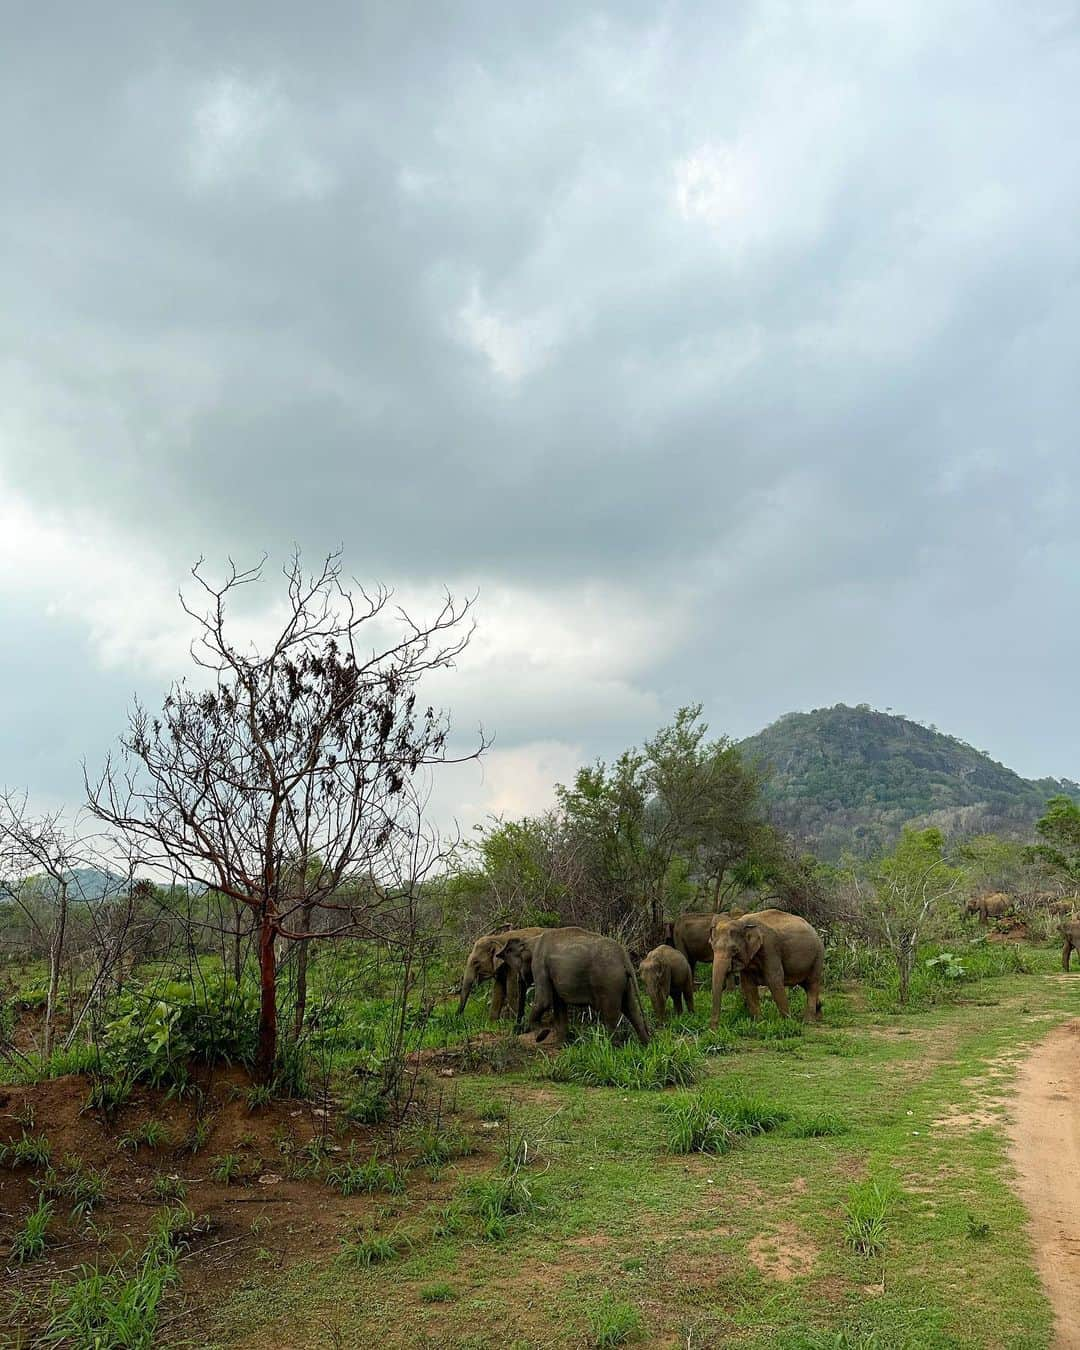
{"x":850,"y":778}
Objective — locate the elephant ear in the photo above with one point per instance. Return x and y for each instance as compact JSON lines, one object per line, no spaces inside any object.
{"x":754,"y":938}
{"x":499,"y":953}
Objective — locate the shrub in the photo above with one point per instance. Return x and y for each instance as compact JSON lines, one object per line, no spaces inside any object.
{"x":156,"y":1033}
{"x":613,"y":1323}
{"x":594,"y":1059}
{"x":368,"y":1107}
{"x":29,"y":1240}
{"x":866,"y":1209}
{"x":712,"y":1120}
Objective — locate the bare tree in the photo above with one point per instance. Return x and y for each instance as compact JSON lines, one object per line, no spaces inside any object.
{"x":45,"y":865}
{"x":286,"y":782}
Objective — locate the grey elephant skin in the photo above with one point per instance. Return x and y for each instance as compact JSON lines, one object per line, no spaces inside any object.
{"x":773,"y":948}
{"x":666,"y":973}
{"x":989,"y":907}
{"x":691,"y":934}
{"x":483,"y":965}
{"x":573,"y":968}
{"x":1070,"y":931}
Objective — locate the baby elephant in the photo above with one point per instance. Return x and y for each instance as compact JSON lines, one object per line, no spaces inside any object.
{"x":1070,"y":931}
{"x":667,"y":972}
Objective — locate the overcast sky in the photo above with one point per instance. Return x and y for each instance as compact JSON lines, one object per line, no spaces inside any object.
{"x":729,"y":351}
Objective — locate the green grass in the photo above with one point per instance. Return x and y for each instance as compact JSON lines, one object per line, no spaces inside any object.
{"x":867,"y":1208}
{"x":29,"y":1150}
{"x":29,"y":1240}
{"x":350,"y":1176}
{"x":110,"y":1308}
{"x":594,"y":1059}
{"x":613,"y":1323}
{"x":713,"y":1120}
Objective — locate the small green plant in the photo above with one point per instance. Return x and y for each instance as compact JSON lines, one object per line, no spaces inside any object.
{"x":866,"y":1209}
{"x":151,"y":1132}
{"x":491,"y":1110}
{"x":946,"y":965}
{"x":25,"y":1117}
{"x":352,"y":1177}
{"x":437,"y":1293}
{"x":29,"y":1150}
{"x":110,"y":1308}
{"x":227,"y":1168}
{"x":168,"y":1186}
{"x":977,"y":1229}
{"x":258,"y":1096}
{"x":108,"y":1095}
{"x":713,"y":1120}
{"x":29,"y":1240}
{"x":83,"y":1187}
{"x":174,"y":1228}
{"x":199,"y":1134}
{"x":612,"y":1323}
{"x":498,"y":1200}
{"x":451,"y":1219}
{"x":367,"y":1108}
{"x":366,"y":1248}
{"x":818,"y":1125}
{"x":438,"y":1143}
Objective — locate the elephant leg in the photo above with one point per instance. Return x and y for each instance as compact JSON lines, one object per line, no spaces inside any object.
{"x":659,"y":1005}
{"x":677,"y":1001}
{"x":631,"y":1010}
{"x":748,"y":985}
{"x":688,"y":995}
{"x":560,"y":1021}
{"x":1066,"y":954}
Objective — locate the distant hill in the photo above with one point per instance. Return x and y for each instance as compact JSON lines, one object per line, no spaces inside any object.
{"x":850,"y":778}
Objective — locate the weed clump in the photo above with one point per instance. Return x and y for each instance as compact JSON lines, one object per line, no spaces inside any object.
{"x":596,"y":1061}
{"x":866,"y":1210}
{"x":29,"y":1241}
{"x":713,"y":1120}
{"x":612,"y":1323}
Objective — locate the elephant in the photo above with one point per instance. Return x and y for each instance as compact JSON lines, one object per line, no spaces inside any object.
{"x":571,"y":967}
{"x":769,"y":947}
{"x":1070,"y":931}
{"x":691,"y":934}
{"x":989,"y":907}
{"x":483,"y":964}
{"x":665,"y":971}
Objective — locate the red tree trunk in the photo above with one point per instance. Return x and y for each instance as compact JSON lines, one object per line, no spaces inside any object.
{"x":267,"y":1052}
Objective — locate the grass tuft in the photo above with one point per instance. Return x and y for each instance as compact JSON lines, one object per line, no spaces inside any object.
{"x":29,"y":1240}
{"x":612,"y":1323}
{"x":866,"y":1210}
{"x":713,"y":1120}
{"x":594,"y":1060}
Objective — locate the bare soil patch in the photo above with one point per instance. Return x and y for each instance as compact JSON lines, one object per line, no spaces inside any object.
{"x":784,"y":1254}
{"x":1045,"y":1130}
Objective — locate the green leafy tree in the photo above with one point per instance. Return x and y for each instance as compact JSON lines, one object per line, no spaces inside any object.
{"x":907,"y":888}
{"x":1059,"y":832}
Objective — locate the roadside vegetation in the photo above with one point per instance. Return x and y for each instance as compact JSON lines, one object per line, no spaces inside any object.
{"x":244,"y":1106}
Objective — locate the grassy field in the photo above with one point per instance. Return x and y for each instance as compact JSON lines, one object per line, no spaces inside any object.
{"x":865,"y":1203}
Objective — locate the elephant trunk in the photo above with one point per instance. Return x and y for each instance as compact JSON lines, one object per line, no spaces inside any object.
{"x":719,"y":977}
{"x":466,"y":990}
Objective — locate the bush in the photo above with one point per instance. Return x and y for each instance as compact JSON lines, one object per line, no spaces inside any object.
{"x":866,"y":1209}
{"x":157,"y":1034}
{"x":713,"y":1120}
{"x":593,"y":1059}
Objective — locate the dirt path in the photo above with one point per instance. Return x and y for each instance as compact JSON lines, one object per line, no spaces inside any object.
{"x":1045,"y":1129}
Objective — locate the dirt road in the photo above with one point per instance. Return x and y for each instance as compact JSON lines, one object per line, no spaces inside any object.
{"x":1045,"y":1129}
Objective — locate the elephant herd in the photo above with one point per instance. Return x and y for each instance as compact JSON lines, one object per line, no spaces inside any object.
{"x":575,"y":968}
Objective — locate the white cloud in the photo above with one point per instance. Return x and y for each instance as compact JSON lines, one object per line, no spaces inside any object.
{"x":514,"y":347}
{"x":247,"y":131}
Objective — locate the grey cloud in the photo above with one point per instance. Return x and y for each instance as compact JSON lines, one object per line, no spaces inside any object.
{"x":833,"y":396}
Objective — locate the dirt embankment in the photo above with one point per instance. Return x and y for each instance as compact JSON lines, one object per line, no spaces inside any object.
{"x":1045,"y":1129}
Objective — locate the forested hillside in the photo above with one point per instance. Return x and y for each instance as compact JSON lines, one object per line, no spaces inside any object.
{"x":849,"y":778}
